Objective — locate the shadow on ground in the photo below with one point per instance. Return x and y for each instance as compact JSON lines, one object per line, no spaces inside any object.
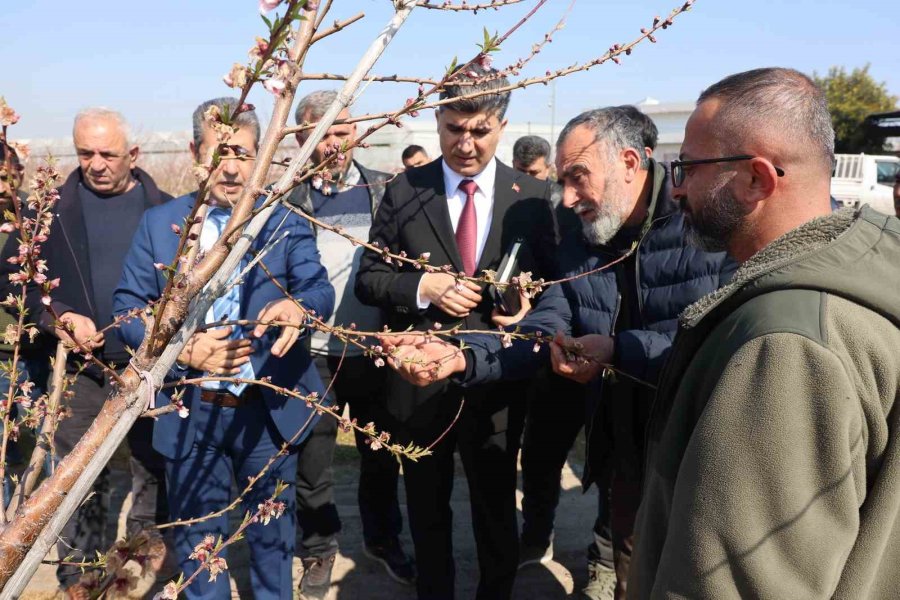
{"x":356,"y":577}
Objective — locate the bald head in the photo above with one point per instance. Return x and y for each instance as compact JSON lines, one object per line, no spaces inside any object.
{"x":775,"y":109}
{"x":757,"y":158}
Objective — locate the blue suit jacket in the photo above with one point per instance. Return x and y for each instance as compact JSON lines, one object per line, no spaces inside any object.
{"x":294,"y":262}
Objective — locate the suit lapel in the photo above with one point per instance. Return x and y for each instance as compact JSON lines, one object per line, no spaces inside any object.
{"x":504,"y":196}
{"x":434,"y":205}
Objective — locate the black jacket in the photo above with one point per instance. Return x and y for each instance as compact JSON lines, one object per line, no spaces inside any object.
{"x":413,"y":217}
{"x":66,"y":253}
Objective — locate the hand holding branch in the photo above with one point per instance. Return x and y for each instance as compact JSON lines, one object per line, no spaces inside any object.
{"x":422,"y":359}
{"x":581,"y":359}
{"x":455,"y":297}
{"x":79,"y":331}
{"x":284,"y":310}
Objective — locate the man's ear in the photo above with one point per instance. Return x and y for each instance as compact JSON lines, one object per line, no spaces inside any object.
{"x":503,"y":124}
{"x":194,"y":151}
{"x":133,"y":153}
{"x":632,"y":160}
{"x":763,"y":180}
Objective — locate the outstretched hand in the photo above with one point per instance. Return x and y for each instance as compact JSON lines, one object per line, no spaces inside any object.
{"x":422,"y":359}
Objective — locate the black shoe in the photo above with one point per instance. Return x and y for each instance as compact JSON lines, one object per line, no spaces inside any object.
{"x":316,"y":578}
{"x":390,"y":554}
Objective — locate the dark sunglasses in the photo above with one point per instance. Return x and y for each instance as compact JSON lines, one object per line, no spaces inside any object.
{"x":677,"y":166}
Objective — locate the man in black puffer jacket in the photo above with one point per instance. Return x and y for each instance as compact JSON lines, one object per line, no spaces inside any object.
{"x":626,"y":314}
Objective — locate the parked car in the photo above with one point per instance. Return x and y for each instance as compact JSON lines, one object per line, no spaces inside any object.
{"x":865,"y":179}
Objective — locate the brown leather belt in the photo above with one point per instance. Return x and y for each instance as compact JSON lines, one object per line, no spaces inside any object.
{"x":229,"y":400}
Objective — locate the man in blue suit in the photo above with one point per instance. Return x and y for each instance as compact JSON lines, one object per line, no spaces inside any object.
{"x":232,"y":430}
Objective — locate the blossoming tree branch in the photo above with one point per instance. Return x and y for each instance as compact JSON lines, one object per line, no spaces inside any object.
{"x":196,"y":278}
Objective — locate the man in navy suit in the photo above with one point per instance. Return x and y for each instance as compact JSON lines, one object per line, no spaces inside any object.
{"x":232,"y":430}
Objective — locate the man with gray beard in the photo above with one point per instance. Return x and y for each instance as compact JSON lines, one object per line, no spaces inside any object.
{"x":623,"y":315}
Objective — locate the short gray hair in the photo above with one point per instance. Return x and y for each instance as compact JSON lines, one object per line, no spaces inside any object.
{"x":617,"y":127}
{"x":245,"y":119}
{"x":773,"y":99}
{"x":315,"y":103}
{"x":486,"y":81}
{"x":529,"y":148}
{"x":101,"y":112}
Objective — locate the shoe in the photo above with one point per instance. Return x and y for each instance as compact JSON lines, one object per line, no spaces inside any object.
{"x":398,"y":565}
{"x":316,"y":580}
{"x":601,"y":582}
{"x":530,"y":554}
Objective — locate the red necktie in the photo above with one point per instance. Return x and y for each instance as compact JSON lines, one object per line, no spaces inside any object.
{"x":467,"y":228}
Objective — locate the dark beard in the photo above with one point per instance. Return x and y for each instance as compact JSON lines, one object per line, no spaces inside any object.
{"x":710,"y":227}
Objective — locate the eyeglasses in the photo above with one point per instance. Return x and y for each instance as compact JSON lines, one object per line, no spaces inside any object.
{"x":677,"y":166}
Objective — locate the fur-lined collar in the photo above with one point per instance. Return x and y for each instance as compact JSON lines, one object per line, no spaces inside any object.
{"x":791,"y":247}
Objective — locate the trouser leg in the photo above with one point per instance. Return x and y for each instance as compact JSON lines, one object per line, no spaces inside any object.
{"x":271,"y":544}
{"x":429,"y":484}
{"x":316,"y":512}
{"x":200,"y":484}
{"x":361,"y":385}
{"x":149,"y":503}
{"x":551,"y":427}
{"x":490,"y":429}
{"x":83,"y":536}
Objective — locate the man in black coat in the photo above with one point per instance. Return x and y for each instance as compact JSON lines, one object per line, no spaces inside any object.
{"x":99,"y":207}
{"x":463,"y":210}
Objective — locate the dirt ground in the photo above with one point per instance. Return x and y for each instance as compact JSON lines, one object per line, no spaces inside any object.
{"x":356,"y":577}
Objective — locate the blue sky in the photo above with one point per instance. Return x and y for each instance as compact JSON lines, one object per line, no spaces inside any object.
{"x":157,"y":61}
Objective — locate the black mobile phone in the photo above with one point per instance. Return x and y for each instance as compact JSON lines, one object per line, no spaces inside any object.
{"x":507,"y":299}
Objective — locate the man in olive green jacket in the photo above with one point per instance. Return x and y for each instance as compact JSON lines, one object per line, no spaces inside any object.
{"x":773,"y":450}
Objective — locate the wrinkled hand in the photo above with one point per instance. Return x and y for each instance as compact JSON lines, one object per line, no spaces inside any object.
{"x":79,"y":330}
{"x":213,"y":352}
{"x":456,"y":298}
{"x":285,"y":310}
{"x":421,"y":359}
{"x":595,"y":351}
{"x":503,"y":320}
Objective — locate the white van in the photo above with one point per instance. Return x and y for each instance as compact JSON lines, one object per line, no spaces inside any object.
{"x":865,"y":179}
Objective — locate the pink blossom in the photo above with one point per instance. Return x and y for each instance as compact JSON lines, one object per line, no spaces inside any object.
{"x":183,"y":412}
{"x":159,"y":266}
{"x":176,"y":229}
{"x":170,"y":592}
{"x":379,"y":362}
{"x":485,"y":61}
{"x":317,"y":182}
{"x":45,"y":300}
{"x":268,"y":5}
{"x":7,"y":227}
{"x":274,"y":86}
{"x":216,"y":565}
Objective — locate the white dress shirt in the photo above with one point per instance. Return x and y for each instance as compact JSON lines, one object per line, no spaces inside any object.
{"x":456,"y":200}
